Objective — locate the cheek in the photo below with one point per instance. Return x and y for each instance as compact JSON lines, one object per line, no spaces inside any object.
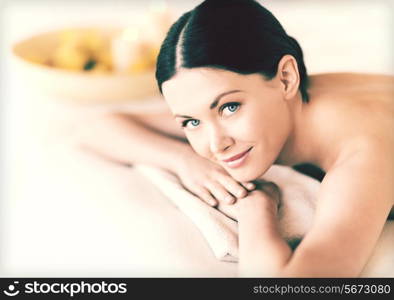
{"x":199,"y":144}
{"x":249,"y":128}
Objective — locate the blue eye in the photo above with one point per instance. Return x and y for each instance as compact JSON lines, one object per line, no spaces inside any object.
{"x":231,"y":107}
{"x":195,"y":122}
{"x":192,"y":122}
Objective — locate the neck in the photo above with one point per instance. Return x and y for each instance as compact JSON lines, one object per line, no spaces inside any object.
{"x":302,"y":144}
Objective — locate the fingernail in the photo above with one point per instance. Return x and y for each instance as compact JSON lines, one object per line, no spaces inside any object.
{"x":241,"y":193}
{"x":212,"y":202}
{"x":229,"y":199}
{"x":250,"y":185}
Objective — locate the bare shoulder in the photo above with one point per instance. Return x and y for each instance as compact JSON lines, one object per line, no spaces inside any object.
{"x":362,"y":179}
{"x":354,"y":201}
{"x":346,"y":79}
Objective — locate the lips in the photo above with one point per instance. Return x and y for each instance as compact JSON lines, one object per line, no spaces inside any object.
{"x":238,"y":156}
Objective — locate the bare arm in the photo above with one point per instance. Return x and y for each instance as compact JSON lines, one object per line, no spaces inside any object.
{"x":129,"y":138}
{"x":354,"y":202}
{"x":156,"y":139}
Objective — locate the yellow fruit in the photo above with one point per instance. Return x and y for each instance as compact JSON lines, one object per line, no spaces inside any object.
{"x":92,"y":41}
{"x":70,"y":58}
{"x":71,"y":39}
{"x":100,"y":68}
{"x":104,"y":57}
{"x":139,"y":66}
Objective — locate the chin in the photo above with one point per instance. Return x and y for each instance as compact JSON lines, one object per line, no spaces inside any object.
{"x":244,"y":175}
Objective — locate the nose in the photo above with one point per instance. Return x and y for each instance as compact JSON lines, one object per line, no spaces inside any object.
{"x":219,"y":141}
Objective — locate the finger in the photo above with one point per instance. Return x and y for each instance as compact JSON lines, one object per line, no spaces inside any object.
{"x":200,"y":192}
{"x":249,"y":185}
{"x":219,"y":192}
{"x":233,"y":186}
{"x":206,"y":196}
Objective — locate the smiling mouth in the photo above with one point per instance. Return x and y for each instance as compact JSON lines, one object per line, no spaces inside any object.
{"x":237,"y":160}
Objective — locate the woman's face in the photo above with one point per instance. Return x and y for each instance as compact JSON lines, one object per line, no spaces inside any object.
{"x":240,"y":122}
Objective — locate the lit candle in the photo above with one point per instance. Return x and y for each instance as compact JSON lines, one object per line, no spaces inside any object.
{"x":125,"y":49}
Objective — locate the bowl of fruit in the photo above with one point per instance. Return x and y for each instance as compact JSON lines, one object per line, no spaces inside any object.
{"x":89,"y":65}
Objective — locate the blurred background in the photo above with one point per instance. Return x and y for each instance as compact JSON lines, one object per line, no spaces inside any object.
{"x":63,"y":62}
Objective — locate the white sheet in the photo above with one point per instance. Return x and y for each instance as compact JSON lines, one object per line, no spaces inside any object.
{"x":88,"y":217}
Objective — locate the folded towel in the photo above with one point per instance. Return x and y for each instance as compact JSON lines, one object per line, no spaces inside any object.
{"x":299,"y":193}
{"x":219,"y":230}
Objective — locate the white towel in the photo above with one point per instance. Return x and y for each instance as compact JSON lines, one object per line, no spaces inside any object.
{"x":299,"y":193}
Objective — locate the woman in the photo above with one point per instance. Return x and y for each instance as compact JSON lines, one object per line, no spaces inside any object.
{"x":237,"y":87}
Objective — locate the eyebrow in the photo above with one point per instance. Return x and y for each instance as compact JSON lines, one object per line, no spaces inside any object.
{"x":214,"y":103}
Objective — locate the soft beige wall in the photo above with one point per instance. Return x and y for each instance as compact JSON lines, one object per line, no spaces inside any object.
{"x":349,"y":35}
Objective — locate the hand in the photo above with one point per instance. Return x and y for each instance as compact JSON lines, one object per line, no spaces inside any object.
{"x":209,"y":181}
{"x":270,"y":189}
{"x":265,"y":192}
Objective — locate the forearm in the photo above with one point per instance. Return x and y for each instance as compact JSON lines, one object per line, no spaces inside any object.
{"x":125,"y":140}
{"x":262,"y":250}
{"x":264,"y":253}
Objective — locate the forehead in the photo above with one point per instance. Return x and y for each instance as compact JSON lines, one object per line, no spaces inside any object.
{"x":190,"y":87}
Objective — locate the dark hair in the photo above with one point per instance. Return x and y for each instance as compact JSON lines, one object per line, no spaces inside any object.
{"x":236,"y":35}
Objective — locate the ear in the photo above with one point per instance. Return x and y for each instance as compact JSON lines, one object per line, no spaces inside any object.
{"x":288,"y":76}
